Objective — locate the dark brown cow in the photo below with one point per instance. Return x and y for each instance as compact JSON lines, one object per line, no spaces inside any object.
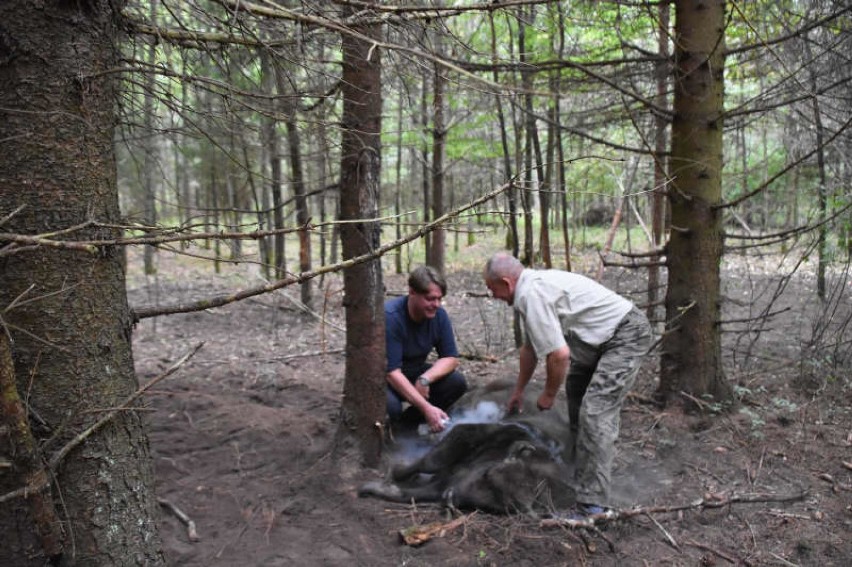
{"x":514,"y":464}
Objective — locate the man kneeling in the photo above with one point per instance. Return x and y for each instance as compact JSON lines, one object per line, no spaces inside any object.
{"x":415,"y":325}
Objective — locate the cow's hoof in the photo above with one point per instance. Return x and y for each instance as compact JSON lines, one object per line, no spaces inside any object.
{"x":380,"y":490}
{"x":521,"y":450}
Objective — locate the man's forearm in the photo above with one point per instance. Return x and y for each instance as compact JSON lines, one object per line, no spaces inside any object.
{"x":441,"y":368}
{"x":527,"y":362}
{"x":404,"y":388}
{"x":557,"y":369}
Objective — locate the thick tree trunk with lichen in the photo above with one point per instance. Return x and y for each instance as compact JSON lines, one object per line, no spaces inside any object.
{"x":364,"y":388}
{"x":691,"y":360}
{"x":70,"y":325}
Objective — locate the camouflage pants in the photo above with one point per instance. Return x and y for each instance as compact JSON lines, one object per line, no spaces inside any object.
{"x":595,"y":397}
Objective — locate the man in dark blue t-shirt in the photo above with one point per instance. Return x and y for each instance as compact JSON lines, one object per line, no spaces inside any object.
{"x":415,"y":325}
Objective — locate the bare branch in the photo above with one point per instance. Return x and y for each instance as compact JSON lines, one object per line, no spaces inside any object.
{"x":143,"y":313}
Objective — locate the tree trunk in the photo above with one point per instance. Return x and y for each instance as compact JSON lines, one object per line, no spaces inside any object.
{"x":302,"y":213}
{"x":149,"y":159}
{"x":545,"y":174}
{"x":398,"y":184}
{"x":364,"y":388}
{"x":822,"y":194}
{"x":323,"y":162}
{"x":424,"y":165}
{"x":273,"y":152}
{"x":71,"y":346}
{"x":528,"y":257}
{"x":504,"y":142}
{"x":439,"y":135}
{"x":560,"y":151}
{"x":691,"y":360}
{"x":658,"y":203}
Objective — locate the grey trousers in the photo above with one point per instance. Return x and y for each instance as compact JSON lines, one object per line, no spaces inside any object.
{"x":595,"y":397}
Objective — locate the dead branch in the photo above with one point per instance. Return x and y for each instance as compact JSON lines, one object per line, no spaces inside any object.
{"x":143,"y":313}
{"x":9,"y":217}
{"x":168,"y":236}
{"x":666,"y":533}
{"x":420,"y":534}
{"x":724,"y":556}
{"x":56,"y":460}
{"x":835,"y":485}
{"x":27,"y":456}
{"x":479,"y":357}
{"x":301,"y":355}
{"x":191,"y":532}
{"x":784,"y":170}
{"x":780,"y":236}
{"x":710,"y":500}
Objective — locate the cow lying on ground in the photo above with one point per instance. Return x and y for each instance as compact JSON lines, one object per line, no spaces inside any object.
{"x":508,"y":464}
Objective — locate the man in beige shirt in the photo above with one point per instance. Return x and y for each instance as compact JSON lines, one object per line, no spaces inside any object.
{"x":588,"y":333}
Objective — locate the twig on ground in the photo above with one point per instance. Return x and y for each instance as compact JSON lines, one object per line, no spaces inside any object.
{"x":724,"y":556}
{"x":780,"y":514}
{"x":782,"y":560}
{"x":710,"y":500}
{"x":835,"y":486}
{"x":479,"y":357}
{"x":669,"y":537}
{"x":284,"y":357}
{"x":418,"y":535}
{"x":191,"y":532}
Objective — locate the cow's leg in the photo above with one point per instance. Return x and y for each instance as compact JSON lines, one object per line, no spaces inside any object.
{"x":462,"y":440}
{"x":427,"y":492}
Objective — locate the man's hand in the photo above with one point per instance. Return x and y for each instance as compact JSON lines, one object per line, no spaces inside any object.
{"x":515,"y":403}
{"x":435,"y":417}
{"x":545,"y":401}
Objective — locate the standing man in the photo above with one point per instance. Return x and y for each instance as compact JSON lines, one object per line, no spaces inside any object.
{"x":589,"y":333}
{"x":415,"y":325}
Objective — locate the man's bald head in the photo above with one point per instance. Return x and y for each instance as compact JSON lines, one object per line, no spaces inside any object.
{"x":502,"y":272}
{"x":502,"y":265}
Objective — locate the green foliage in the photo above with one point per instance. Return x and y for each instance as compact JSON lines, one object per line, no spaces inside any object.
{"x":756,"y":420}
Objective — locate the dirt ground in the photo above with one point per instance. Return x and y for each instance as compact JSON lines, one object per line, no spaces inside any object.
{"x":240,"y":436}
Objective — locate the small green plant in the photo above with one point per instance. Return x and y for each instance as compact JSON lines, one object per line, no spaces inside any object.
{"x":784,"y":404}
{"x":757,"y":421}
{"x":715,"y":407}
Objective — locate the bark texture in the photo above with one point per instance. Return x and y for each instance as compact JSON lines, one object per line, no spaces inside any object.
{"x":691,"y":359}
{"x":71,"y":341}
{"x":364,"y":388}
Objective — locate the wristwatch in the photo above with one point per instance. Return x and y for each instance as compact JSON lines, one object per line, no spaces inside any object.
{"x":423,"y":381}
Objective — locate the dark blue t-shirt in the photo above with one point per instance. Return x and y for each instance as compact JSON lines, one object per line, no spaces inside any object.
{"x":409,"y":343}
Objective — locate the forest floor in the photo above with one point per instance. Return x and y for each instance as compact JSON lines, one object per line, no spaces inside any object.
{"x":241,"y":433}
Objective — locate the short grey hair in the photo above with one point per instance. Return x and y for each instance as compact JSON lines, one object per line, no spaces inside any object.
{"x":502,"y":265}
{"x":421,"y":277}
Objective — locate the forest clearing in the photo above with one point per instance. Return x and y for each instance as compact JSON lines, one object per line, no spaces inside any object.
{"x":241,"y":438}
{"x":204,"y":205}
